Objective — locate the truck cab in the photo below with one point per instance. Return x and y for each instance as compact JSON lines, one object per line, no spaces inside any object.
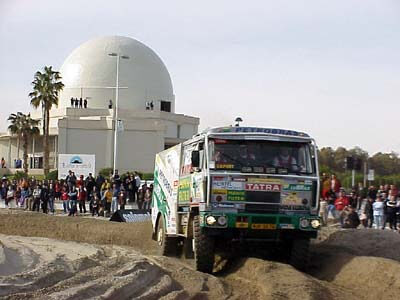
{"x":232,"y":184}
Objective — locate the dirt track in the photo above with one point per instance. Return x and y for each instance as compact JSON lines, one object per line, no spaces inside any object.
{"x":360,"y":264}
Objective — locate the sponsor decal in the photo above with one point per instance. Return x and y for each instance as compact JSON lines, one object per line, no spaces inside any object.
{"x":236,"y":196}
{"x":286,"y":226}
{"x":228,"y":185}
{"x":264,"y":180}
{"x":219,"y":192}
{"x":268,"y":187}
{"x":262,"y":130}
{"x":297,"y":187}
{"x":293,"y":207}
{"x":241,"y":179}
{"x":184,"y":190}
{"x":224,"y":166}
{"x":223,"y":205}
{"x":263,"y":226}
{"x":292,"y":199}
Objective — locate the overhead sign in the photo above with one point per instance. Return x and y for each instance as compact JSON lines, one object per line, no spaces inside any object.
{"x":276,"y":131}
{"x":371,"y":175}
{"x":80,"y":164}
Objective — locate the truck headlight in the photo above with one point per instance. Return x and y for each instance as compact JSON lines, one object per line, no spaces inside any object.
{"x":210,"y":220}
{"x":304,"y":223}
{"x":222,"y":221}
{"x":315,"y":224}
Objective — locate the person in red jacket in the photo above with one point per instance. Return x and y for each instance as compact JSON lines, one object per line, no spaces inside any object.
{"x":82,"y":199}
{"x":340,"y":204}
{"x":335,"y":184}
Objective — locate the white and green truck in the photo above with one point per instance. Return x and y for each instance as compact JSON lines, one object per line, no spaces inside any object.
{"x":232,"y":184}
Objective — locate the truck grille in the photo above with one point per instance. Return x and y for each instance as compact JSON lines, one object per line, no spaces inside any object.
{"x":263,"y":197}
{"x":262,"y":208}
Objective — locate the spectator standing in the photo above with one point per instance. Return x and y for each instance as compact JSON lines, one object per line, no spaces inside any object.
{"x":3,"y":191}
{"x":114,"y":201}
{"x":89,"y":184}
{"x":378,"y":212}
{"x":147,"y":197}
{"x":340,"y":204}
{"x":70,"y":180}
{"x":99,"y":181}
{"x":82,"y":199}
{"x":391,"y":210}
{"x":140,"y":198}
{"x":107,"y":199}
{"x":94,"y":201}
{"x":80,"y":102}
{"x":52,"y":196}
{"x":44,"y":198}
{"x":73,"y":197}
{"x":369,"y":212}
{"x":335,"y":184}
{"x":85,"y":103}
{"x":138,"y":181}
{"x":10,"y":195}
{"x":372,"y":192}
{"x":3,"y":163}
{"x":122,"y":198}
{"x":36,"y":197}
{"x":132,"y":188}
{"x":323,"y":210}
{"x":65,"y":200}
{"x":326,"y":186}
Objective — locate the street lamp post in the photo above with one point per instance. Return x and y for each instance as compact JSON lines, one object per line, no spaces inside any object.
{"x":119,"y":56}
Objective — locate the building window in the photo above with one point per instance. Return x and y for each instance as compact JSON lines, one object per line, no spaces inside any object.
{"x":166,"y":106}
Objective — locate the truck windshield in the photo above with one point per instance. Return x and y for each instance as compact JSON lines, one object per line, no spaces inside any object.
{"x":273,"y":157}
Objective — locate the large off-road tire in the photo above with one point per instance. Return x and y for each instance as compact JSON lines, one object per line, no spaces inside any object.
{"x":204,"y":248}
{"x":168,"y":246}
{"x":299,"y":256}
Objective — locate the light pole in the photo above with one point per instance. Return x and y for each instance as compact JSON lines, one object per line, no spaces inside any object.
{"x":119,"y":56}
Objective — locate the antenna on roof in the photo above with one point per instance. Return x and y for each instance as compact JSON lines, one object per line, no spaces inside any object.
{"x":238,"y":120}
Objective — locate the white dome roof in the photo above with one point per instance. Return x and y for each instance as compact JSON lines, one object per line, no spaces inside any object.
{"x":89,"y":72}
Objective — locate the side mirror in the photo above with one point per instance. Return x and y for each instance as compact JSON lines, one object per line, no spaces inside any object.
{"x":195,"y":159}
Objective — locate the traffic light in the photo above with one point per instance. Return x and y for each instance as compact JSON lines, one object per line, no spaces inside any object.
{"x":349,"y":163}
{"x":357,"y":164}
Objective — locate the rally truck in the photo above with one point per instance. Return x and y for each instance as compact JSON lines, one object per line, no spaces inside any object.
{"x":234,"y":184}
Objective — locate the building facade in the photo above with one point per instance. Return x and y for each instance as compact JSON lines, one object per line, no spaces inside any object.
{"x":84,"y":121}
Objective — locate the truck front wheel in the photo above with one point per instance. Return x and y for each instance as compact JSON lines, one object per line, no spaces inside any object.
{"x":167,"y":245}
{"x":299,"y":256}
{"x":203,"y":248}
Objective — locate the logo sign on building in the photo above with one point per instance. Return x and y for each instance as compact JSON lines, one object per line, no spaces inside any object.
{"x":80,"y":164}
{"x":371,"y":175}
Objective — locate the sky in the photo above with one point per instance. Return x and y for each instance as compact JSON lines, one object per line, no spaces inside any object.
{"x":329,"y":68}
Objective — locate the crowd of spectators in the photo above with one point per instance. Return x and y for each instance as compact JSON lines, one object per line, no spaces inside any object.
{"x":366,"y":207}
{"x":100,"y":196}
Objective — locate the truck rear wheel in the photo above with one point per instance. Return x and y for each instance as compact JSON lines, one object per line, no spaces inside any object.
{"x":299,"y":256}
{"x":203,"y":248}
{"x":167,"y":245}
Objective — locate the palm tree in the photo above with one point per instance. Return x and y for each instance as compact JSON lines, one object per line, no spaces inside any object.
{"x":28,"y":129}
{"x":24,"y":127}
{"x":46,"y":87}
{"x":15,"y":127}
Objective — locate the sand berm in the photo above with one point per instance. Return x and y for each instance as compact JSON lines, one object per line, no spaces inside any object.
{"x":47,"y":257}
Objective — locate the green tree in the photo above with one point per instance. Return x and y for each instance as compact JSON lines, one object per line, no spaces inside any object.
{"x":24,"y":127}
{"x":46,"y":88}
{"x":15,"y":128}
{"x":28,"y":130}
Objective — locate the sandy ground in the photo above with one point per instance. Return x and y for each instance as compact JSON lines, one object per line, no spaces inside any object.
{"x":46,"y":257}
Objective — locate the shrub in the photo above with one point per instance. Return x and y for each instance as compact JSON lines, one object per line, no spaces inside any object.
{"x":53,"y":175}
{"x":19,"y":175}
{"x":105,"y":172}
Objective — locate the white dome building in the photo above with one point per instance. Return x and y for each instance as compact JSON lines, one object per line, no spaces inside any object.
{"x":90,"y":72}
{"x":146,"y":109}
